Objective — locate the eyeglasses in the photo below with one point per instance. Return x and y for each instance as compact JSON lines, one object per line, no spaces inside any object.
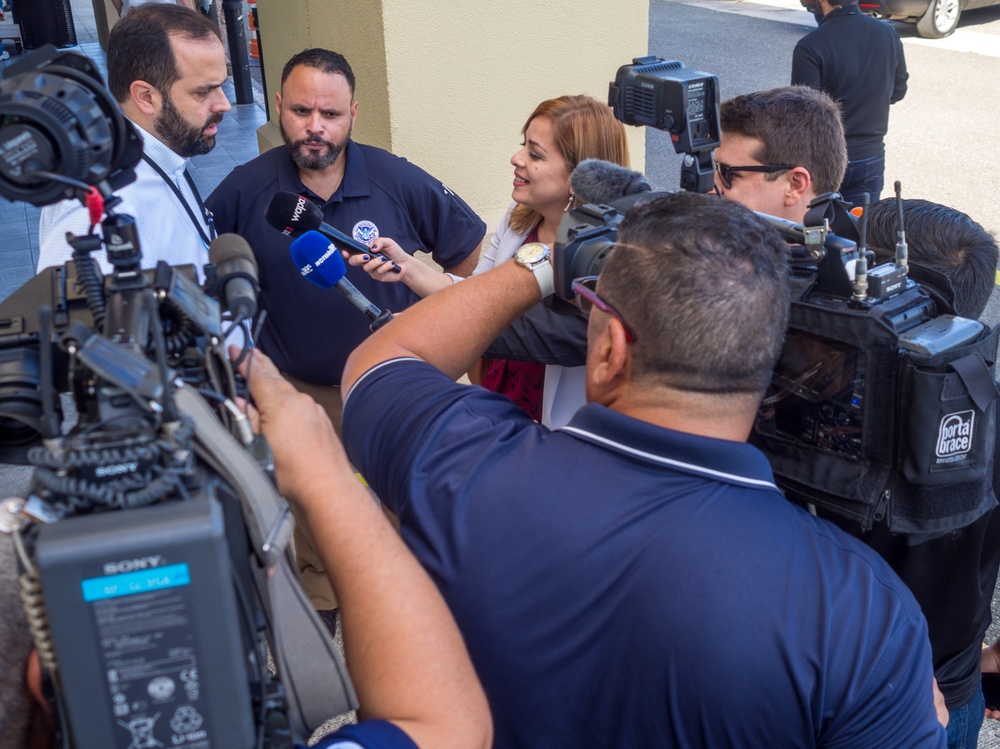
{"x":726,"y":172}
{"x":586,"y":299}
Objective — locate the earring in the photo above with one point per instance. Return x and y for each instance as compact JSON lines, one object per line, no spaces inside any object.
{"x":569,"y":203}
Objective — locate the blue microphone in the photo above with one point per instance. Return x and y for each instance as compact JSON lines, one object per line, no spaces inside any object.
{"x":320,"y":263}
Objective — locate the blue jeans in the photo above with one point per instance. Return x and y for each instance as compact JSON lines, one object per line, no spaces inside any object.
{"x":964,"y":723}
{"x":863,"y":176}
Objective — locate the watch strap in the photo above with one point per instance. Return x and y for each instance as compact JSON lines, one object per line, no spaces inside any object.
{"x":545,"y":277}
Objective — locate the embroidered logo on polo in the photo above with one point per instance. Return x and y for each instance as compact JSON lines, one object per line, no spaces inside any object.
{"x":954,"y":440}
{"x":365,"y":232}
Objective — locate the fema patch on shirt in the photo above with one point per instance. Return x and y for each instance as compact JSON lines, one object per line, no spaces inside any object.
{"x":365,"y":232}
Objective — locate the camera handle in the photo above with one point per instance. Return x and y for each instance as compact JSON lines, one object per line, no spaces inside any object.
{"x":698,"y":172}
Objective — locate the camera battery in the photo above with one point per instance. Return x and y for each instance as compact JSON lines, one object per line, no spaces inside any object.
{"x":940,"y":334}
{"x":144,"y":620}
{"x":886,"y":280}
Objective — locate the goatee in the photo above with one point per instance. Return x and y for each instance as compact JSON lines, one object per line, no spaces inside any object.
{"x":313,"y":161}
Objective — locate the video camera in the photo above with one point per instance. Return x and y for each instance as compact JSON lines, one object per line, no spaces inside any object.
{"x":157,"y":576}
{"x":882,"y":405}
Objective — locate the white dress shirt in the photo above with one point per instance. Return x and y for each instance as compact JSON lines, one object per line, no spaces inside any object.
{"x":166,"y":231}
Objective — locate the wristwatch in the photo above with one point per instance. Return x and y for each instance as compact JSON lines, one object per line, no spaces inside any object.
{"x":535,"y":257}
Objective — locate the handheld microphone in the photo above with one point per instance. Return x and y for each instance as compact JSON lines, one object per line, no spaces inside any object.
{"x":293,"y":215}
{"x":320,"y":263}
{"x":236,"y":271}
{"x":597,"y":181}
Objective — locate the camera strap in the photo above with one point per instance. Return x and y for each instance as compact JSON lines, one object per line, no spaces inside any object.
{"x":310,"y":667}
{"x":206,"y":214}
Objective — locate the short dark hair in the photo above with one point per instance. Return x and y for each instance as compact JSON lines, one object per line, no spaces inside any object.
{"x":797,"y":125}
{"x":704,"y":284}
{"x":323,"y":60}
{"x":943,"y":239}
{"x":139,"y":46}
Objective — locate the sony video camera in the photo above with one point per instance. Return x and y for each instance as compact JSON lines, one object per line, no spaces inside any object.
{"x":157,"y":578}
{"x":882,"y":406}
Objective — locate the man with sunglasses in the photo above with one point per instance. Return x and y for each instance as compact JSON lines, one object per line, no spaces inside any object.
{"x":779,"y":150}
{"x":635,"y":579}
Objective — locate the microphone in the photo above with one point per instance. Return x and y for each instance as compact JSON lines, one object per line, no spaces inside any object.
{"x":597,"y":181}
{"x":236,"y":271}
{"x":293,"y":215}
{"x":320,"y":263}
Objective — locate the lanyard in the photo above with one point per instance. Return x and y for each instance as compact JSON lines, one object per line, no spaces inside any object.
{"x":207,"y":214}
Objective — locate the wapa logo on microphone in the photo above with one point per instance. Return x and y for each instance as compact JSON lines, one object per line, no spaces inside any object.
{"x":300,"y":208}
{"x":954,"y":440}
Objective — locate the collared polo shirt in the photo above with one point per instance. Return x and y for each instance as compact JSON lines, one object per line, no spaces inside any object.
{"x":623,"y":585}
{"x":308,"y":331}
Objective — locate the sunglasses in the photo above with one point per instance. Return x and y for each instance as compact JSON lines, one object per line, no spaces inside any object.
{"x":726,"y":172}
{"x":586,"y":299}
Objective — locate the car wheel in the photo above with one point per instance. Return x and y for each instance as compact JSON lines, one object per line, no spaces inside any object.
{"x":940,"y":19}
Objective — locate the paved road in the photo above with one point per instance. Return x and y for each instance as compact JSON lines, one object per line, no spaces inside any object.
{"x":940,"y":141}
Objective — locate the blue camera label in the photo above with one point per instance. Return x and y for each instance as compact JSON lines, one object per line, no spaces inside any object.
{"x":131,"y":583}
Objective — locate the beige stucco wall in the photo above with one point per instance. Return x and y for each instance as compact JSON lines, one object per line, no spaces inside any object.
{"x":449,"y":83}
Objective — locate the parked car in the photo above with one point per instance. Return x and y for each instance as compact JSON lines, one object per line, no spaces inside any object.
{"x":935,"y":19}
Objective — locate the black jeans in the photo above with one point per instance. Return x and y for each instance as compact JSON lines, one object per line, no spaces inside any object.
{"x":863,"y":176}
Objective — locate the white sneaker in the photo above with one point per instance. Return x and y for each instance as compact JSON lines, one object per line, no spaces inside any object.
{"x":4,"y":55}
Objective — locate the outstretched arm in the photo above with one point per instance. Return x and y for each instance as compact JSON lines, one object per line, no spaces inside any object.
{"x":404,"y":651}
{"x":420,"y":277}
{"x":451,"y":329}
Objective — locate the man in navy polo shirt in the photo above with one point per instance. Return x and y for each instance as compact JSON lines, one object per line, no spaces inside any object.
{"x":363,"y":191}
{"x":635,"y":579}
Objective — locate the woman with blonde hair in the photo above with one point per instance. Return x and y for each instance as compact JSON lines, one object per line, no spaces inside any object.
{"x":559,"y":134}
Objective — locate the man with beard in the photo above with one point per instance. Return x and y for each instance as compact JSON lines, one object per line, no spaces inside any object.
{"x":166,"y":67}
{"x":365,"y":192}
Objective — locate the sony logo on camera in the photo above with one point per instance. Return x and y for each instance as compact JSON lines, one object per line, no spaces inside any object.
{"x":955,"y":435}
{"x":133,"y":565}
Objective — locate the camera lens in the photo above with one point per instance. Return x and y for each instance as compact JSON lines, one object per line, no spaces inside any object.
{"x":20,"y":400}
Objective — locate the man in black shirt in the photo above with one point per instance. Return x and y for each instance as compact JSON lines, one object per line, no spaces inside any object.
{"x":858,"y":61}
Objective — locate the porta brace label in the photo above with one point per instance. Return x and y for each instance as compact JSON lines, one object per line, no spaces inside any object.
{"x":954,"y":440}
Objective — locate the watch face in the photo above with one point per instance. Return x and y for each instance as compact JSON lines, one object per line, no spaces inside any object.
{"x":532,"y":253}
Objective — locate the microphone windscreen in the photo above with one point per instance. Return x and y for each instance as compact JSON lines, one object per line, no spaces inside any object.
{"x":596,"y":181}
{"x":230,"y":247}
{"x":292,"y":214}
{"x":318,"y":260}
